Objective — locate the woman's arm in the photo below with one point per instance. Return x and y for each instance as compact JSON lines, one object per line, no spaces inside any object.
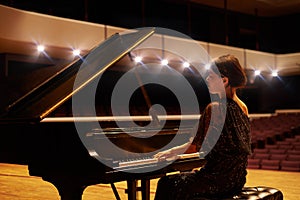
{"x":173,"y":152}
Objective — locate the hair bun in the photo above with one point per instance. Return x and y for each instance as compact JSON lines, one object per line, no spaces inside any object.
{"x":229,"y":66}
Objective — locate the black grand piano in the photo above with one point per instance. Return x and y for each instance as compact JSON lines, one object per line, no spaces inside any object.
{"x":69,"y":149}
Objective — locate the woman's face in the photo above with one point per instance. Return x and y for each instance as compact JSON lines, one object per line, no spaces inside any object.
{"x":214,"y":82}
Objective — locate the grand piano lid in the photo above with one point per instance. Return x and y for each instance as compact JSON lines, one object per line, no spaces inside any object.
{"x":46,"y":97}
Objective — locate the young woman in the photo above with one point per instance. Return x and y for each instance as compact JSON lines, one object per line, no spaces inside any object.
{"x":226,"y":156}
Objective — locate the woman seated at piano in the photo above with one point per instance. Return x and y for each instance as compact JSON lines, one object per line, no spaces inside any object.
{"x":224,"y":173}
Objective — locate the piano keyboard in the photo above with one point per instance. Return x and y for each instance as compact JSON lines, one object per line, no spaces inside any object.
{"x":188,"y":155}
{"x":143,"y":161}
{"x":150,"y":160}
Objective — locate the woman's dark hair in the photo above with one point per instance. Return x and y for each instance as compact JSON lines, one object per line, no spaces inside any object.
{"x":230,"y":67}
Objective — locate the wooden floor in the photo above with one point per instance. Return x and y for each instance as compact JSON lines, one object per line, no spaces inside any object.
{"x":15,"y":184}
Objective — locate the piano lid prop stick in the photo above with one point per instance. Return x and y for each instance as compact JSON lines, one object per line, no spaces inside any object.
{"x":147,"y":98}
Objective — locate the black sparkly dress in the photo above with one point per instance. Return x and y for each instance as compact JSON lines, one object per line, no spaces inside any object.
{"x":225,"y":170}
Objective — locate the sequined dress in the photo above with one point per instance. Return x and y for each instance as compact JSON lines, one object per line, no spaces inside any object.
{"x":225,"y":170}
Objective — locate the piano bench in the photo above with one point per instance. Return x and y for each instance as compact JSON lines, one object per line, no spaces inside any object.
{"x":252,"y":193}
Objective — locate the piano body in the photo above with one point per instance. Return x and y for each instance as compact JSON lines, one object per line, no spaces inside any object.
{"x":40,"y":130}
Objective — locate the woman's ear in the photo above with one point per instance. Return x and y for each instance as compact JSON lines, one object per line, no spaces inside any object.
{"x":225,"y":81}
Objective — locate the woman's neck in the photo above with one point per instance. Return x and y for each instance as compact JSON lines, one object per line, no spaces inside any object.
{"x":240,"y":103}
{"x":230,"y":92}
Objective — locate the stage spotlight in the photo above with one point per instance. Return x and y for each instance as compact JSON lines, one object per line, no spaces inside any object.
{"x":138,"y":59}
{"x":40,"y":48}
{"x":274,"y":73}
{"x":76,"y":52}
{"x":207,"y":66}
{"x":164,"y":62}
{"x":186,"y":64}
{"x":257,"y":72}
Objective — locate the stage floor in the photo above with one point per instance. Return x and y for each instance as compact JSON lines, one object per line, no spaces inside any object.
{"x":15,"y":183}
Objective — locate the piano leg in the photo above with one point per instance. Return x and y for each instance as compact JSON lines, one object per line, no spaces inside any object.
{"x":145,"y":187}
{"x":69,"y":188}
{"x":132,"y":189}
{"x":115,"y":191}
